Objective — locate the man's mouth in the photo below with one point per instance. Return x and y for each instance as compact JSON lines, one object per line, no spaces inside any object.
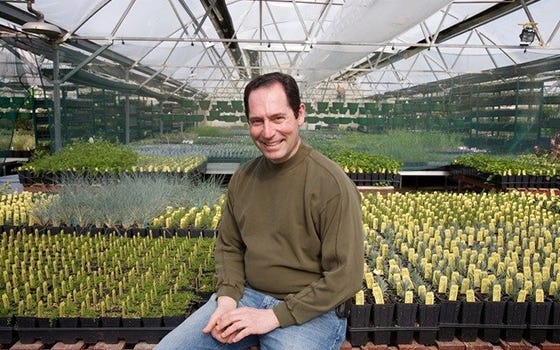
{"x":271,"y":144}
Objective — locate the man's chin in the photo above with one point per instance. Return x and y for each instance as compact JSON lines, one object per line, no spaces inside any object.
{"x":274,"y":157}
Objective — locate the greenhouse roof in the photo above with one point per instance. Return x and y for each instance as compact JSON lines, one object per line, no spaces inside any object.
{"x":352,"y":49}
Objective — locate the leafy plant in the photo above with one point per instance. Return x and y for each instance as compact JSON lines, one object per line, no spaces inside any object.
{"x":84,"y":157}
{"x":362,"y":162}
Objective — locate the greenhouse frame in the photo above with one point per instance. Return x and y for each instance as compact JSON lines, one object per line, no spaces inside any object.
{"x":122,"y":122}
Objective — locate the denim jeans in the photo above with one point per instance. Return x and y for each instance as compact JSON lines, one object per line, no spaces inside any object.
{"x":324,"y":332}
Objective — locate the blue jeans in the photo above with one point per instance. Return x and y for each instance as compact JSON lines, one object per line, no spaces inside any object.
{"x":324,"y":332}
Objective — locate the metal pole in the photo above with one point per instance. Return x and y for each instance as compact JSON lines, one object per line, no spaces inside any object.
{"x":127,"y":116}
{"x":56,"y":101}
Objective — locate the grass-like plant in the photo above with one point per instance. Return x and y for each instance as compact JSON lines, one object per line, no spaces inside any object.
{"x":131,"y":201}
{"x":67,"y":275}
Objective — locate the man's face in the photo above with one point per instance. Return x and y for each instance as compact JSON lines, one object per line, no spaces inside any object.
{"x":272,"y":124}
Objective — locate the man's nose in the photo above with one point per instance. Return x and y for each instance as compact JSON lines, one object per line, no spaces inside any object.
{"x":268,"y":129}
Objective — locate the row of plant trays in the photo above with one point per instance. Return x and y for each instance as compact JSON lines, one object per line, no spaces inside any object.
{"x":129,"y":232}
{"x":91,"y":330}
{"x":375,"y":179}
{"x":400,"y":323}
{"x":510,"y":181}
{"x":382,"y":324}
{"x":109,"y":329}
{"x":27,"y":178}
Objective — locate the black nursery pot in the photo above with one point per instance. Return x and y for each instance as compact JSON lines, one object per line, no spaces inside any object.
{"x":448,"y":319}
{"x":553,"y":334}
{"x":172,"y":321}
{"x":110,"y":322}
{"x":515,"y":320}
{"x":360,"y":316}
{"x":492,"y":315}
{"x":68,"y":322}
{"x":6,"y":331}
{"x":89,"y":322}
{"x":25,"y":327}
{"x":470,"y":320}
{"x":405,"y":317}
{"x":538,"y":315}
{"x":428,"y":317}
{"x":131,"y":322}
{"x":382,"y":315}
{"x":152,"y":322}
{"x":26,"y":322}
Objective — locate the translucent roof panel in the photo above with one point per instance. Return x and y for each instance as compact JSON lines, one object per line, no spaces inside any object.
{"x":212,"y":48}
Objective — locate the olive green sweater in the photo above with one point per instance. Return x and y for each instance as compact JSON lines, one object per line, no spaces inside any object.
{"x":293,"y":231}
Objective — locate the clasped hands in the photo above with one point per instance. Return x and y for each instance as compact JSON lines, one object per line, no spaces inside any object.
{"x":230,"y":324}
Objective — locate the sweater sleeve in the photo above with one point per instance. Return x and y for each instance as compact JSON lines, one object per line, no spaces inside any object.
{"x":342,"y":261}
{"x":229,"y":250}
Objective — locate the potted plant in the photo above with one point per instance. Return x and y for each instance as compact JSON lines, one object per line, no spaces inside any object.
{"x":449,"y":310}
{"x":382,"y":312}
{"x":359,"y":320}
{"x":516,"y":310}
{"x":405,"y":313}
{"x":428,"y":316}
{"x":471,"y":311}
{"x":538,"y":314}
{"x":492,"y":312}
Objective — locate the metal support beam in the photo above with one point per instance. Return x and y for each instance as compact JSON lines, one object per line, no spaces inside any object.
{"x":56,"y":101}
{"x":492,"y":13}
{"x":221,"y":19}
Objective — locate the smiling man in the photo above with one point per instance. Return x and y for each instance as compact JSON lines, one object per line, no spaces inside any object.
{"x":289,"y":251}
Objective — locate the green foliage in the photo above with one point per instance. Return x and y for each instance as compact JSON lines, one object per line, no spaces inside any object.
{"x":85,"y":157}
{"x":23,"y":140}
{"x":69,"y":275}
{"x":526,"y":164}
{"x":362,"y":162}
{"x":401,"y":145}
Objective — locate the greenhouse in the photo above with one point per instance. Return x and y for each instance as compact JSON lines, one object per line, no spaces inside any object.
{"x":123,"y":122}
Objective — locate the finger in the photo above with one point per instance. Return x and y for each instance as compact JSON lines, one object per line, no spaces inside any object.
{"x":235,"y":337}
{"x":210,"y":325}
{"x":232,"y":328}
{"x":218,"y":336}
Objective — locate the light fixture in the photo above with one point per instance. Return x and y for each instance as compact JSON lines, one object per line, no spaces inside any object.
{"x":527,"y":35}
{"x":40,"y":26}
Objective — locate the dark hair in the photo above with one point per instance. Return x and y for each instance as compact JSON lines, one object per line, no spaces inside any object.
{"x":288,"y":83}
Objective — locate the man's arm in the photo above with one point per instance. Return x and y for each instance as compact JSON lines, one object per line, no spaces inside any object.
{"x":342,"y":260}
{"x":228,"y":255}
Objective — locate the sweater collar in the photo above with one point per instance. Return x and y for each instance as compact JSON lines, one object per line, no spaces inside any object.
{"x":301,"y":153}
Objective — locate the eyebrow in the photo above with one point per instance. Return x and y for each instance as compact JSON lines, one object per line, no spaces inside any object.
{"x":273,"y":116}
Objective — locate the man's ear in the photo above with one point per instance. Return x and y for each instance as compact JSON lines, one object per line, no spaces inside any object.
{"x":301,"y":114}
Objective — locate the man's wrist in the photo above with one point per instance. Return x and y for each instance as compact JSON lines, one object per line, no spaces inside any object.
{"x":226,"y":300}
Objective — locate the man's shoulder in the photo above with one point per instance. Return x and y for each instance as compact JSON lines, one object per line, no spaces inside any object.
{"x":249,"y":165}
{"x":324,"y":163}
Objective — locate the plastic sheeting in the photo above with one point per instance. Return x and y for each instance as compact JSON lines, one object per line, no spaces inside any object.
{"x":362,"y":22}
